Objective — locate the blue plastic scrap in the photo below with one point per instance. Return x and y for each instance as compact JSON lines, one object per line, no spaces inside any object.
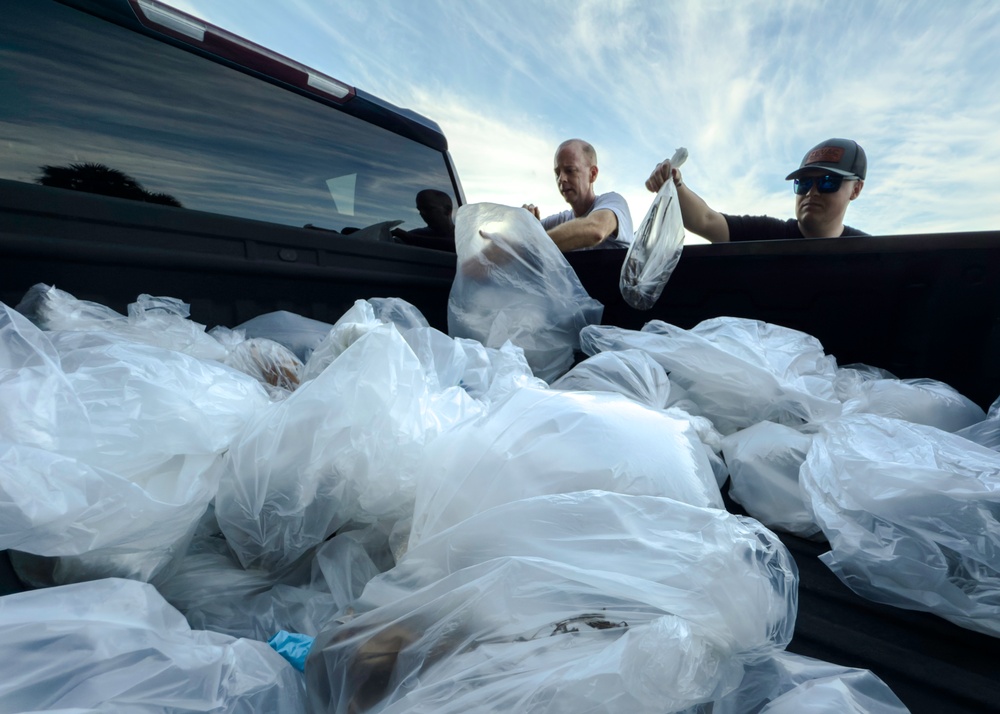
{"x":293,"y":647}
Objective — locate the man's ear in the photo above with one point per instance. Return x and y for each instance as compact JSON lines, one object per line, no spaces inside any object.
{"x":856,"y":191}
{"x":593,"y":174}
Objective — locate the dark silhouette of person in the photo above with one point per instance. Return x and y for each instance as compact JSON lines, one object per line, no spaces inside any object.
{"x":435,"y":208}
{"x":100,"y":179}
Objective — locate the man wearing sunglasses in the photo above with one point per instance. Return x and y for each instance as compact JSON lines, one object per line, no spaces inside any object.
{"x":830,"y":176}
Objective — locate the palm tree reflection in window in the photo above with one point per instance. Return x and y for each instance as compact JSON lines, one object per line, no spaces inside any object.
{"x":100,"y":179}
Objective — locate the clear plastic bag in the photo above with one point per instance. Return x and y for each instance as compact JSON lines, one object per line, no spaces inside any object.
{"x":147,"y":406}
{"x":486,"y":373}
{"x":986,"y":432}
{"x":116,"y":645}
{"x":764,"y":462}
{"x":158,"y":321}
{"x":342,"y":448}
{"x":399,"y":312}
{"x":636,"y":375}
{"x":214,"y":592}
{"x":354,"y":324}
{"x":298,"y":333}
{"x":513,"y":284}
{"x":493,"y":373}
{"x":126,"y":434}
{"x":657,"y":247}
{"x":40,"y":406}
{"x":921,"y":401}
{"x":548,"y":441}
{"x":710,"y":438}
{"x":50,"y":308}
{"x":269,"y":362}
{"x":912,"y":514}
{"x":631,"y":373}
{"x":588,"y":601}
{"x":792,"y":684}
{"x":100,"y":525}
{"x":737,"y":371}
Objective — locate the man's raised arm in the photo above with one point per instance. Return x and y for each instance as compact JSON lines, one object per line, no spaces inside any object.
{"x":698,"y":216}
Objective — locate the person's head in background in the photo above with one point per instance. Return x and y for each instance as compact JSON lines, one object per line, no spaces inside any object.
{"x":435,"y":208}
{"x":830,"y":176}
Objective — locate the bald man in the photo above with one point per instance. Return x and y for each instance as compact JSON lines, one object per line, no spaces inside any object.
{"x":593,"y":221}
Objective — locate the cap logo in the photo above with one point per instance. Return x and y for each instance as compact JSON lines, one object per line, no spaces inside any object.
{"x":825,"y":154}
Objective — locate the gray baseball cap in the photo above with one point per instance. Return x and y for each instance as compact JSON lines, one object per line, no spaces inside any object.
{"x":839,"y":156}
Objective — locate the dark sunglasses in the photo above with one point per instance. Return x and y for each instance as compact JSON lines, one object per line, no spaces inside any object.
{"x":830,"y":183}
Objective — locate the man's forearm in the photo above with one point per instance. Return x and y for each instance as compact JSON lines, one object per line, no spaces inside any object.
{"x":584,"y":232}
{"x":699,"y":217}
{"x":571,"y":236}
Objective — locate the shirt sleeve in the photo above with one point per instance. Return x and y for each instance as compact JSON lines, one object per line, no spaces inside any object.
{"x":556,"y":219}
{"x":745,"y":228}
{"x":616,"y":203}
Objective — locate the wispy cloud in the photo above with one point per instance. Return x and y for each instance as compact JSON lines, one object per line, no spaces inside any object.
{"x":747,"y":87}
{"x":499,"y":161}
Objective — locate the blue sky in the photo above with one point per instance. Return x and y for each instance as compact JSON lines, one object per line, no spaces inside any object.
{"x":746,"y":86}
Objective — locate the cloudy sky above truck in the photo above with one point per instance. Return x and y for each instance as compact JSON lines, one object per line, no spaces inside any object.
{"x":747,"y":87}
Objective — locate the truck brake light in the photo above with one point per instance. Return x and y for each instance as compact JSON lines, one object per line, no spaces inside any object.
{"x":165,"y":16}
{"x":172,"y":22}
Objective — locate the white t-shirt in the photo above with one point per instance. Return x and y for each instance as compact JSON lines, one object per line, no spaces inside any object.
{"x":611,"y":201}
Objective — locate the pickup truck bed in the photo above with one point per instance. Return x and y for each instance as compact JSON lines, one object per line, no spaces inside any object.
{"x":179,"y":106}
{"x":920,"y":306}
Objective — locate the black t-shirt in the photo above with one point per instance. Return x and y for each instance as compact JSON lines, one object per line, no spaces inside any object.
{"x":767,"y":228}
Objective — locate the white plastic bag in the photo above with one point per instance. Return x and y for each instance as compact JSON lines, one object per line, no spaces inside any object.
{"x":792,"y":684}
{"x":126,"y":434}
{"x":631,"y":373}
{"x":513,"y":284}
{"x":492,"y":373}
{"x":589,"y":601}
{"x":657,"y":247}
{"x":399,"y":312}
{"x":912,"y":514}
{"x":158,"y":321}
{"x":764,"y":462}
{"x":298,"y":333}
{"x":214,"y":592}
{"x":986,"y":432}
{"x":921,"y":401}
{"x":354,"y":324}
{"x":540,"y":442}
{"x":343,"y":447}
{"x":116,"y":645}
{"x":710,"y":439}
{"x":269,"y":362}
{"x":101,"y":524}
{"x":636,"y":375}
{"x":738,"y":372}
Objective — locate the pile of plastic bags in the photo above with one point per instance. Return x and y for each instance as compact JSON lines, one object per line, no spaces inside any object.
{"x":593,"y":599}
{"x":901,"y":477}
{"x":459,"y":521}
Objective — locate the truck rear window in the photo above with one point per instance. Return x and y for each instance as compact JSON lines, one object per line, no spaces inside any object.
{"x":94,"y":106}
